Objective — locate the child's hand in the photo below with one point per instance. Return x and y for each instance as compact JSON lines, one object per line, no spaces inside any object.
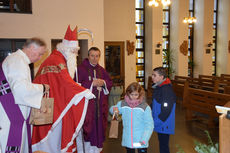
{"x":142,"y":142}
{"x":115,"y":110}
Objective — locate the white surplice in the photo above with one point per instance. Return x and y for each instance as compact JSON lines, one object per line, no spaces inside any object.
{"x":26,"y":94}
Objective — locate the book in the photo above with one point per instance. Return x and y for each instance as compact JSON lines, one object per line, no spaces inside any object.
{"x":222,"y":109}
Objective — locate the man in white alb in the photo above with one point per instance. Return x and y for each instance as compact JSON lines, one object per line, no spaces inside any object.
{"x":17,"y":95}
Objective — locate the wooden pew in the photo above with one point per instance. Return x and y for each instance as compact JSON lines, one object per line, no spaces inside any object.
{"x":222,"y":84}
{"x":227,"y":89}
{"x":194,"y":82}
{"x":149,"y":88}
{"x":225,"y":79}
{"x":209,"y":77}
{"x":223,"y":76}
{"x":204,"y":82}
{"x":178,"y":86}
{"x":181,"y":78}
{"x":210,"y":85}
{"x":197,"y":100}
{"x":198,"y":83}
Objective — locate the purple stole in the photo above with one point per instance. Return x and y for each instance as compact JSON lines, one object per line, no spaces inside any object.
{"x":15,"y":116}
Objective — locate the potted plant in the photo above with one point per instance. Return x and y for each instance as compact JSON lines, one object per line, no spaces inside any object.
{"x":168,"y":60}
{"x":202,"y":147}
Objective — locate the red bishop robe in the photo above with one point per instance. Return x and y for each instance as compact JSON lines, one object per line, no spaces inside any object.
{"x":70,"y":106}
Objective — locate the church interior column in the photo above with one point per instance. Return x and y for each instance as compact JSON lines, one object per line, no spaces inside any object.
{"x":179,"y":34}
{"x":223,"y":37}
{"x":202,"y":37}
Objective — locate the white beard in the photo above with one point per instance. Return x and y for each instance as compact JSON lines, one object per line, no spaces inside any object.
{"x":70,"y":57}
{"x":71,"y":64}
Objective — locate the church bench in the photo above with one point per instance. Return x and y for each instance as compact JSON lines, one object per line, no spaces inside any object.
{"x":179,"y":81}
{"x":198,"y":83}
{"x":178,"y":86}
{"x":149,"y":88}
{"x":209,"y":77}
{"x":181,"y":78}
{"x":223,"y":85}
{"x":210,"y":85}
{"x":202,"y":101}
{"x":227,"y":89}
{"x":223,"y":76}
{"x":204,"y":82}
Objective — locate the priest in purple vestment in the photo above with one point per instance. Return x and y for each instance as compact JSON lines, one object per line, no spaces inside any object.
{"x":94,"y":77}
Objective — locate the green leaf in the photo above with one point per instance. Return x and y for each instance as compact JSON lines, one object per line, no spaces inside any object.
{"x":202,"y":147}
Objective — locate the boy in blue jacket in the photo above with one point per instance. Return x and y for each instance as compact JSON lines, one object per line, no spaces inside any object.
{"x":163,"y":108}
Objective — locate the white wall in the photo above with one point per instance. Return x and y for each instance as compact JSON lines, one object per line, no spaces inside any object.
{"x":178,"y":34}
{"x":157,"y":34}
{"x":203,"y":33}
{"x":120,"y":26}
{"x":114,"y":20}
{"x":223,"y":36}
{"x":153,"y":36}
{"x":50,"y":19}
{"x":149,"y":45}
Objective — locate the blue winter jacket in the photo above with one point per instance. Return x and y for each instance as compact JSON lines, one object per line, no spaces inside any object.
{"x":163,"y":108}
{"x":137,"y":124}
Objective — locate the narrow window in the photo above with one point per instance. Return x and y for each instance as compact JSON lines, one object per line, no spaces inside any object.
{"x":167,"y":62}
{"x":214,"y":49}
{"x":140,"y":39}
{"x":190,"y":39}
{"x":16,"y":6}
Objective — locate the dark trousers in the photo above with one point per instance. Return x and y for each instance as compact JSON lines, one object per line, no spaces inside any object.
{"x":163,"y":142}
{"x":140,"y":150}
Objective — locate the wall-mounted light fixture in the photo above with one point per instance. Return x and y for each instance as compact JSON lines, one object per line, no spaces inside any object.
{"x":159,"y":45}
{"x":190,"y":20}
{"x":209,"y":44}
{"x":158,"y":48}
{"x":156,"y":2}
{"x":208,"y":49}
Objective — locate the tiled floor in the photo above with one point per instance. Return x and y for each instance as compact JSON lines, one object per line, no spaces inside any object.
{"x":185,"y":134}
